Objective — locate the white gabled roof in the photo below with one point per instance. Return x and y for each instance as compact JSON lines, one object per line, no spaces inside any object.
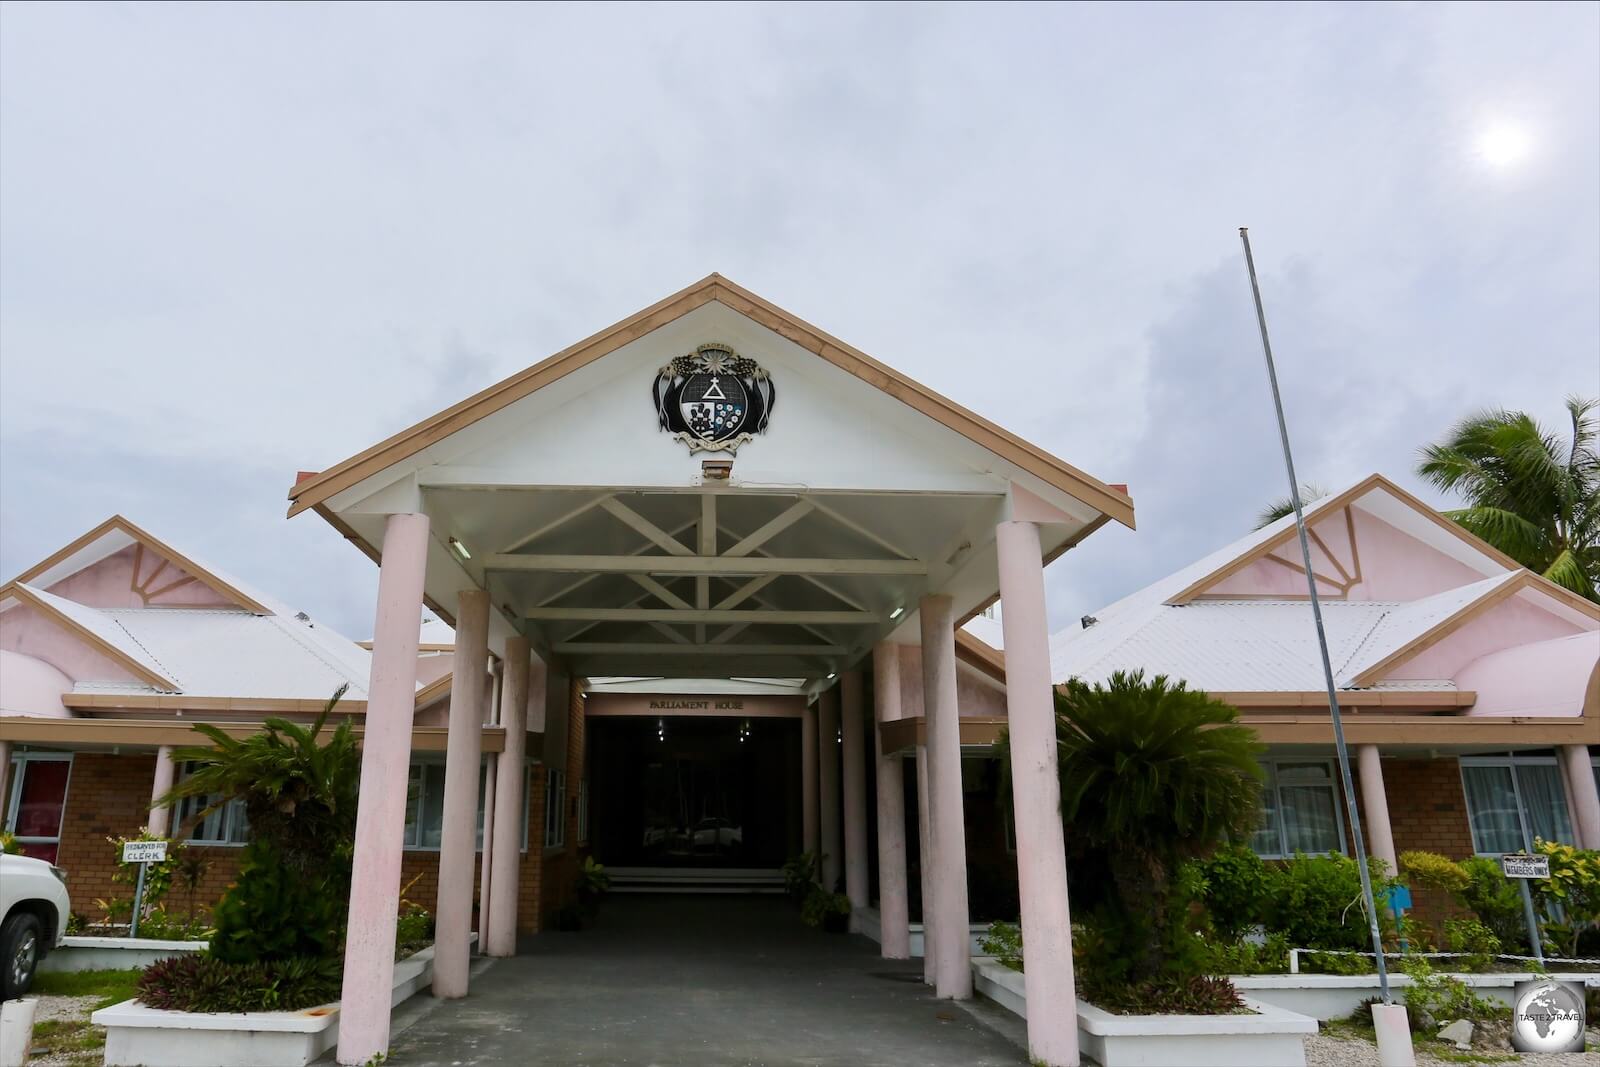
{"x":1406,"y":622}
{"x":104,"y":630}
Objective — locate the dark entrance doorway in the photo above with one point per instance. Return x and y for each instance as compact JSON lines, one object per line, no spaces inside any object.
{"x":686,"y":794}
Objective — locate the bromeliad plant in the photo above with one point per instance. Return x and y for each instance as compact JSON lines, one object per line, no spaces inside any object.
{"x":1153,"y":774}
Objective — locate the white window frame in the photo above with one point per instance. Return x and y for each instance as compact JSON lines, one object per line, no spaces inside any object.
{"x":231,"y":817}
{"x":1512,"y":760}
{"x":14,"y":794}
{"x":1273,"y":783}
{"x":555,"y":814}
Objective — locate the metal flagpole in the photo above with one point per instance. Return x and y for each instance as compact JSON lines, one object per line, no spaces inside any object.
{"x":1322,"y":637}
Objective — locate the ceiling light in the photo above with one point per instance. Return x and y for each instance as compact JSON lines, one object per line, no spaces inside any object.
{"x":831,"y":677}
{"x":460,"y":549}
{"x":896,"y":613}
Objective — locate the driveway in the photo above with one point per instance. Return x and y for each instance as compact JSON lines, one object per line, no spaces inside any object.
{"x":700,"y":981}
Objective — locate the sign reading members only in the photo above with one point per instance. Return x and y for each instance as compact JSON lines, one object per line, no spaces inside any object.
{"x":1521,"y":865}
{"x":144,"y":851}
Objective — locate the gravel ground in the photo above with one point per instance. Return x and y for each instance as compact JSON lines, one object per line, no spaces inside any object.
{"x":1327,"y":1050}
{"x":62,"y":1008}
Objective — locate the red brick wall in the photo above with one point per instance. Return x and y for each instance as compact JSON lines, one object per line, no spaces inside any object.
{"x":561,"y":868}
{"x":108,"y":796}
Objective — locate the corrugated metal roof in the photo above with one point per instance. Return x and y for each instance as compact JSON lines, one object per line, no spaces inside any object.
{"x":107,"y":630}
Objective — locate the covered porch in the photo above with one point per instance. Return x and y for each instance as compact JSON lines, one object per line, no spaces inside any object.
{"x":579,"y":536}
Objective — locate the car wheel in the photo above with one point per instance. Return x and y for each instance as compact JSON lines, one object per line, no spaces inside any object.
{"x":20,"y":942}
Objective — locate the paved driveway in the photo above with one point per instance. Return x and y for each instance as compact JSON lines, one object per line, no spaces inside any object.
{"x":699,"y":981}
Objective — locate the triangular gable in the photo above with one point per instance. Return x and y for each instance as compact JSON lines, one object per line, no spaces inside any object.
{"x":157,"y":568}
{"x":102,"y":635}
{"x":1333,"y":562}
{"x":1568,"y":613}
{"x":315,"y":490}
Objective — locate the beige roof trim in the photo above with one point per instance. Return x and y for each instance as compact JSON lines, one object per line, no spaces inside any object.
{"x":980,"y":654}
{"x":1054,"y":472}
{"x":178,"y":702}
{"x":1345,"y":499}
{"x":151,"y":733}
{"x":15,"y":591}
{"x":1465,"y":614}
{"x":434,"y":690}
{"x":150,"y":541}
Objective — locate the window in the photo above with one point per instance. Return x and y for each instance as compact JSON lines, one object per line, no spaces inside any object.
{"x":425,"y":807}
{"x":555,"y":808}
{"x":38,"y":798}
{"x":583,"y":811}
{"x":1301,"y":810}
{"x":226,"y":825}
{"x":1512,"y":800}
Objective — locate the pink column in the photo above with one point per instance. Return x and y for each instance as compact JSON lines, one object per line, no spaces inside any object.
{"x":893,"y":905}
{"x":524,"y":676}
{"x":1048,"y":984}
{"x":491,"y":770}
{"x":385,"y":769}
{"x":459,"y":825}
{"x":947,"y":925}
{"x":1375,"y":807}
{"x":809,"y":824}
{"x":930,"y":887}
{"x":1585,"y":797}
{"x":828,"y":784}
{"x":855,"y":790}
{"x":5,"y":779}
{"x":160,"y":820}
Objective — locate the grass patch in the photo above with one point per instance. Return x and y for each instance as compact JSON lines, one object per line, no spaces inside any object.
{"x":1444,"y":1050}
{"x":112,"y":987}
{"x":81,"y":1043}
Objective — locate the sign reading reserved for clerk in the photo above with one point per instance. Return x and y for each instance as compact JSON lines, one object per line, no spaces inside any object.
{"x":1522,"y":865}
{"x":144,"y":851}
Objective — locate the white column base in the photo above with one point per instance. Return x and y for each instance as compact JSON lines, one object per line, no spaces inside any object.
{"x":1394,"y":1036}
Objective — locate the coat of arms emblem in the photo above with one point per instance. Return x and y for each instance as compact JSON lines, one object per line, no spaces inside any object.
{"x":713,"y":399}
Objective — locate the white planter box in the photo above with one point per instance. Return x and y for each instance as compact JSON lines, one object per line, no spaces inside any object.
{"x":867,"y":921}
{"x":113,"y":953}
{"x":137,"y":1036}
{"x":1333,"y":996}
{"x":1272,"y":1037}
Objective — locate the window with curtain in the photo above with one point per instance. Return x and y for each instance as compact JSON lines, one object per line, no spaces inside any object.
{"x":38,"y":799}
{"x":227,"y":825}
{"x":555,"y":808}
{"x":1300,"y":810}
{"x":1514,"y":800}
{"x":425,"y":807}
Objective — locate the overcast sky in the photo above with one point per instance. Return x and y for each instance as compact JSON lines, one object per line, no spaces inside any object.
{"x":239,"y":241}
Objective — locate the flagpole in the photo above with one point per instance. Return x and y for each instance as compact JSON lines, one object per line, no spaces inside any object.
{"x":1322,"y":637}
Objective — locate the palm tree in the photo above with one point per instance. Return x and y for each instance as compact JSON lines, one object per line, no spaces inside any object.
{"x":1285,"y":506}
{"x":1152,"y":774}
{"x":1529,"y":493}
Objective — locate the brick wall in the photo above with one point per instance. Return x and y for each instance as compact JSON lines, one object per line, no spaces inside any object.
{"x":1428,"y":811}
{"x":108,"y":796}
{"x":561,"y":868}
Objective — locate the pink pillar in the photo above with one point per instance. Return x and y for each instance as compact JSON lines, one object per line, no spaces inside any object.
{"x":925,"y":842}
{"x":5,"y":779}
{"x":855,"y":790}
{"x":947,"y":925}
{"x":385,"y":770}
{"x":1585,"y":797}
{"x":160,"y":821}
{"x":893,"y":906}
{"x":1375,"y":807}
{"x":828,"y":784}
{"x":491,"y":770}
{"x":459,"y":826}
{"x":1048,"y":984}
{"x":522,"y":679}
{"x":809,"y":825}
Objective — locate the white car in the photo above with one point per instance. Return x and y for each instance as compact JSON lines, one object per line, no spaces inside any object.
{"x":33,"y":919}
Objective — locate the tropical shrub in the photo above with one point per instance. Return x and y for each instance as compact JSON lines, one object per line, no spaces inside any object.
{"x":413,"y":929}
{"x":1434,"y":999}
{"x":1174,"y":995}
{"x":157,"y":876}
{"x":1236,"y":889}
{"x":1004,"y":942}
{"x":1153,"y":774}
{"x":199,"y":982}
{"x":820,"y":904}
{"x":1495,"y":900}
{"x":8,"y":844}
{"x":1229,"y":956}
{"x":1570,"y":898}
{"x":1429,"y":870}
{"x":799,"y":875}
{"x":299,"y":790}
{"x":1474,"y":940}
{"x":1316,"y":902}
{"x":593,"y":881}
{"x":165,"y":926}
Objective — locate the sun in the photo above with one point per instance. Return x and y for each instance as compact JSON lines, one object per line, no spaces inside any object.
{"x":1503,"y":144}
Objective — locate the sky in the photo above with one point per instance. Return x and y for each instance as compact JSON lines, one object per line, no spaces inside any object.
{"x":238,"y":241}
